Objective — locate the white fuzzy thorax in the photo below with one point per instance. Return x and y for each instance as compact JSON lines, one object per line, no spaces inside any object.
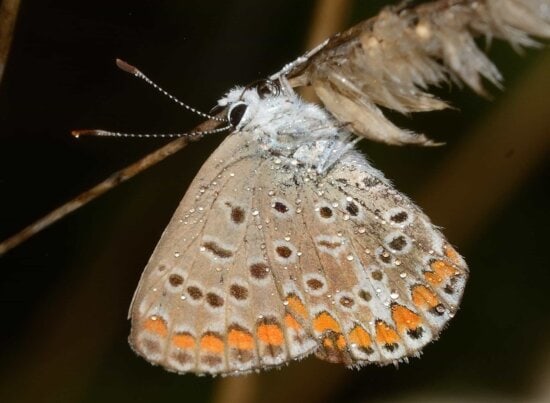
{"x":286,"y":126}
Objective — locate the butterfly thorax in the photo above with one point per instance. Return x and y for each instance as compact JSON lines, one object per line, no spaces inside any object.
{"x":286,"y":127}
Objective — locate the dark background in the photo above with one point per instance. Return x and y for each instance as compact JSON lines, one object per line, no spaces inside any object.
{"x":64,"y":294}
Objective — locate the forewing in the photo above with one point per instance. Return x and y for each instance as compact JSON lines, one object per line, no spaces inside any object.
{"x":390,"y":60}
{"x":208,"y":300}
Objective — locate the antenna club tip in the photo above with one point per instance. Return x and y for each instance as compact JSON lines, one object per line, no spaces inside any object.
{"x":78,"y":133}
{"x":128,"y":68}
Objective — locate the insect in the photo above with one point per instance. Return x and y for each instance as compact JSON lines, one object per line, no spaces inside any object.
{"x":288,"y":242}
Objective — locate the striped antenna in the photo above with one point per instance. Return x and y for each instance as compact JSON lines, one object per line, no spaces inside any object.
{"x":128,"y":68}
{"x":105,"y":133}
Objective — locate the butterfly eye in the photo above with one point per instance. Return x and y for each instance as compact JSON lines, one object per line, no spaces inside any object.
{"x":267,"y":88}
{"x":236,"y":113}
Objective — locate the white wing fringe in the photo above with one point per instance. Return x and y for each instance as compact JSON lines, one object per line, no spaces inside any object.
{"x":390,"y":60}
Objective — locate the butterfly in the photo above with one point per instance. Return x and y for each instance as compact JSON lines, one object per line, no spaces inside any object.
{"x":288,"y":242}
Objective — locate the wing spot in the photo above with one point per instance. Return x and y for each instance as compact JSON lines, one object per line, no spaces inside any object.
{"x":365,"y":295}
{"x":324,"y":321}
{"x":406,"y":320}
{"x":443,"y":269}
{"x":183,"y":340}
{"x":330,"y":245}
{"x":157,"y":325}
{"x":242,"y":356}
{"x":362,"y":339}
{"x":352,"y":209}
{"x":283,"y":251}
{"x":237,"y":215}
{"x":280,"y":207}
{"x":175,"y":280}
{"x":151,"y":346}
{"x":269,"y":331}
{"x":238,"y":292}
{"x":325,"y":212}
{"x":182,"y":357}
{"x":240,"y":338}
{"x":296,"y":305}
{"x":371,"y":181}
{"x":334,"y":348}
{"x":195,"y":293}
{"x":211,"y":360}
{"x":377,"y":275}
{"x":384,"y":256}
{"x":386,"y":336}
{"x":347,"y":301}
{"x":399,"y":217}
{"x":452,"y":254}
{"x":398,"y":243}
{"x":423,"y":297}
{"x":259,"y":270}
{"x":315,"y":284}
{"x":217,"y":250}
{"x":416,"y":333}
{"x":212,"y":342}
{"x":214,"y":300}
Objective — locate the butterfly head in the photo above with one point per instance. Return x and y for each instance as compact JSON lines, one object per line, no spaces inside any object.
{"x":251,"y":105}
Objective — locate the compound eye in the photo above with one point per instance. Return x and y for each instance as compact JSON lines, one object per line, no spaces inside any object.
{"x":236,"y":113}
{"x":267,"y":88}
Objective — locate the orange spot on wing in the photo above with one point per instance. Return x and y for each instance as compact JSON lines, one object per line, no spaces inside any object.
{"x":433,"y":278}
{"x":295,"y":304}
{"x":270,"y":334}
{"x":157,"y":325}
{"x":292,"y":323}
{"x":183,"y":340}
{"x":443,"y":269}
{"x":452,"y":254}
{"x":404,"y":318}
{"x":341,"y":342}
{"x":240,"y":339}
{"x":327,"y":343}
{"x":423,"y":297}
{"x":212,"y":343}
{"x":324,"y":322}
{"x":360,"y":337}
{"x":385,"y":334}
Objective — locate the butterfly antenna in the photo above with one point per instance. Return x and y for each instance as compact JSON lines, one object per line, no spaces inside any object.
{"x":128,"y":68}
{"x":105,"y":133}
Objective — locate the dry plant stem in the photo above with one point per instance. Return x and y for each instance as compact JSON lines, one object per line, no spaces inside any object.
{"x":109,"y":183}
{"x":8,"y":16}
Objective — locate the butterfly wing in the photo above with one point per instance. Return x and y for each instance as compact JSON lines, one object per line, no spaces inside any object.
{"x":362,"y":270}
{"x":386,"y":281}
{"x":208,"y":300}
{"x":390,"y":60}
{"x":264,"y":262}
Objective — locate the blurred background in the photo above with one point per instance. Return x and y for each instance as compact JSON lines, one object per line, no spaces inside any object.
{"x":64,"y":294}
